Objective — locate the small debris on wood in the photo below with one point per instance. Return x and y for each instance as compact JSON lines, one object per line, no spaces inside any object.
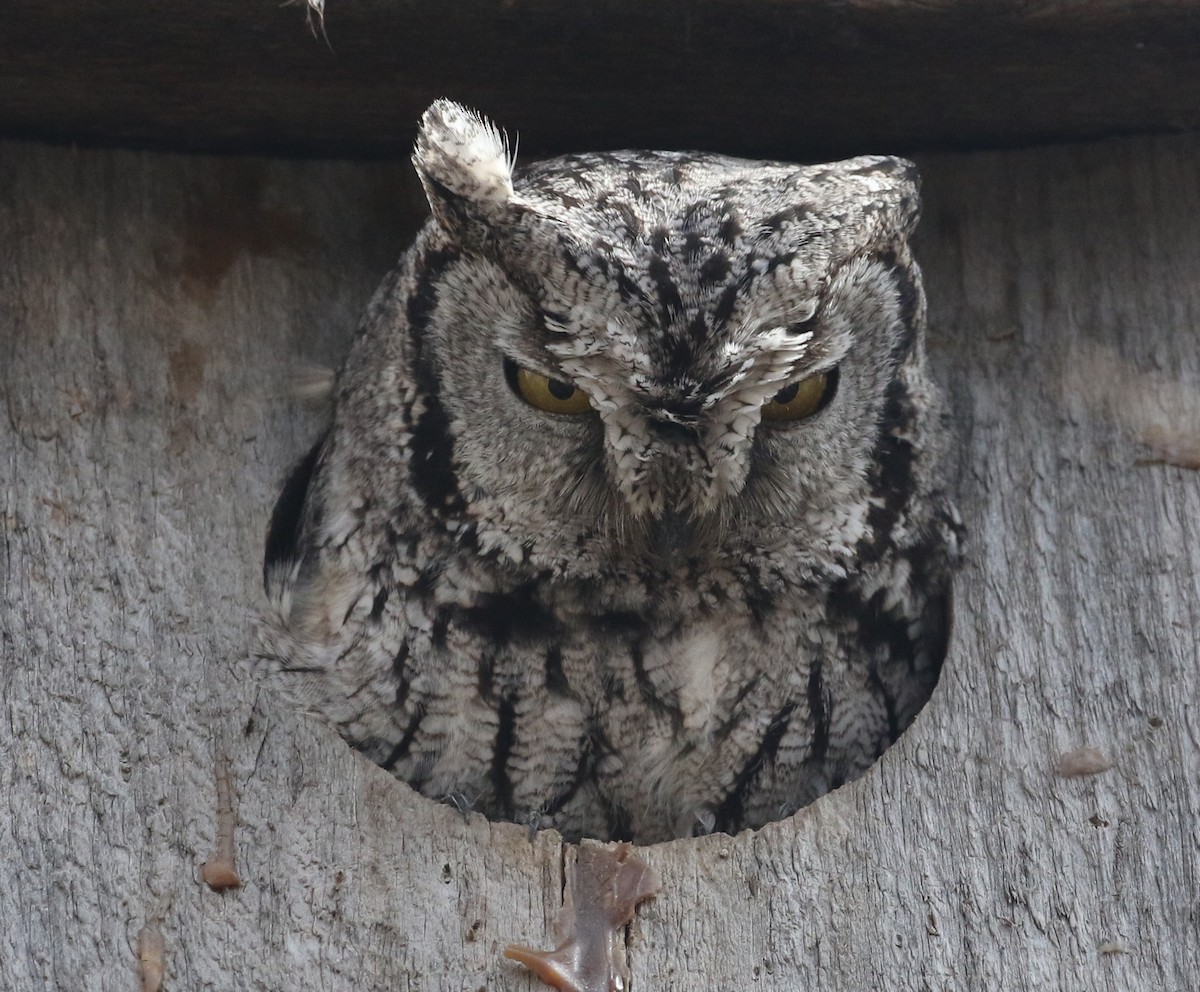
{"x":219,"y":871}
{"x":604,"y":886}
{"x":1160,"y":412}
{"x":152,"y":953}
{"x":1083,"y":761}
{"x":315,"y":17}
{"x":311,"y":384}
{"x":1170,"y":448}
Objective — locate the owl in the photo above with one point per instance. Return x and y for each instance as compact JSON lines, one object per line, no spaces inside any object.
{"x":631,"y":518}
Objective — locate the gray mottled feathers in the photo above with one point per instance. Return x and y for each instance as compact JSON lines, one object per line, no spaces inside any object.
{"x":709,"y":592}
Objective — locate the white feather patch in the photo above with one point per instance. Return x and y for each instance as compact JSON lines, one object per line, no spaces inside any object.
{"x":464,"y":152}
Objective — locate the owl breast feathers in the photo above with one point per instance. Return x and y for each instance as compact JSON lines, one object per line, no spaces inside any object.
{"x":631,"y":517}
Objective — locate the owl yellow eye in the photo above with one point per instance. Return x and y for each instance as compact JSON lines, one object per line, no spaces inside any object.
{"x":798,"y":400}
{"x":544,"y":393}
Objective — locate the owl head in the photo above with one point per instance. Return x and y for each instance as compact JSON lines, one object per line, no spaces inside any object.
{"x":644,"y":359}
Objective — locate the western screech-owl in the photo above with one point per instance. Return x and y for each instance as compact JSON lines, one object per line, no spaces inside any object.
{"x":631,"y":518}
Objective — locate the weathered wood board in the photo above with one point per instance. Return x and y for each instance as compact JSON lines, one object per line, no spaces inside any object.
{"x":788,"y":78}
{"x":150,"y":309}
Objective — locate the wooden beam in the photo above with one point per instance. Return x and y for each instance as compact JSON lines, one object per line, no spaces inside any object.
{"x":780,"y":78}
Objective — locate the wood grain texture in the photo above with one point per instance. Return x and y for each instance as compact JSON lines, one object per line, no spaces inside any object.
{"x":150,"y":307}
{"x":788,"y":78}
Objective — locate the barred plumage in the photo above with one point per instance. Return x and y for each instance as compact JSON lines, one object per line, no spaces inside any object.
{"x":631,"y":518}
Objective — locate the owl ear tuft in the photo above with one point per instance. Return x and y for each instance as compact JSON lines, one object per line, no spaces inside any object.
{"x":464,"y":164}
